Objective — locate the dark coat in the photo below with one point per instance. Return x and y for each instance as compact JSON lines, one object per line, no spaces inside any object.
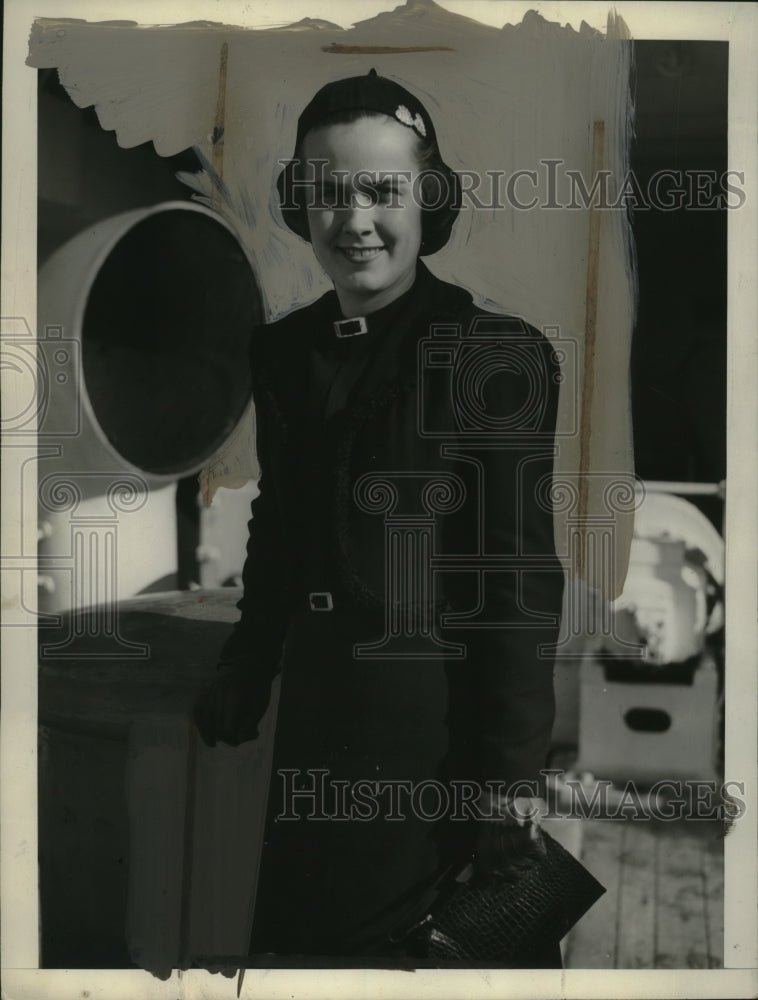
{"x":397,"y":422}
{"x":447,"y":446}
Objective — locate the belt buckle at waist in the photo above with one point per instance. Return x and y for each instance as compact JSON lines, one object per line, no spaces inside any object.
{"x":320,"y":600}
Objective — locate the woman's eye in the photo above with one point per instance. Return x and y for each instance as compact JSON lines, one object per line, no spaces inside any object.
{"x":330,"y":196}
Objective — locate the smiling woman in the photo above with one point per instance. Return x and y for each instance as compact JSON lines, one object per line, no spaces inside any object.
{"x":369,"y":242}
{"x":391,"y":395}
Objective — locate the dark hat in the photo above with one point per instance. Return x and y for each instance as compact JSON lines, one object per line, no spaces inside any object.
{"x":374,"y":93}
{"x":366,"y":93}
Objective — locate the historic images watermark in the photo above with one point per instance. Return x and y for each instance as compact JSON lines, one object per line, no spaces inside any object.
{"x":75,"y":548}
{"x":550,"y":185}
{"x":314,"y":795}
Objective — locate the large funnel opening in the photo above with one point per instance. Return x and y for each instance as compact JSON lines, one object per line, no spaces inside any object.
{"x":164,"y":340}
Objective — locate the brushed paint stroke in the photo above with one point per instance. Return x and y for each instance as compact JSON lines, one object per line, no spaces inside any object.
{"x":502,"y":100}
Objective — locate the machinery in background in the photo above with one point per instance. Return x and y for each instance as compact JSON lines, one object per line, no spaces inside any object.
{"x":141,"y":374}
{"x":657,"y":715}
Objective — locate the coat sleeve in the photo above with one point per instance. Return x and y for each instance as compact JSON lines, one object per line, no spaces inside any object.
{"x":257,"y":639}
{"x":514,"y":678}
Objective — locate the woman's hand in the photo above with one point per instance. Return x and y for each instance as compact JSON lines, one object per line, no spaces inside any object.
{"x":230,"y":710}
{"x":509,"y":837}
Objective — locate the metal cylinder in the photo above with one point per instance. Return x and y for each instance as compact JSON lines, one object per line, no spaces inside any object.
{"x":143,"y":327}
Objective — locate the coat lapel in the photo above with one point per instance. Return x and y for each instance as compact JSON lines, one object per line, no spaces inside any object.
{"x":393,"y":365}
{"x":281,"y":357}
{"x":280,"y":360}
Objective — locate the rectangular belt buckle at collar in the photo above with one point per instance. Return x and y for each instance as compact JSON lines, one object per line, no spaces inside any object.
{"x":353,"y":327}
{"x":320,"y":600}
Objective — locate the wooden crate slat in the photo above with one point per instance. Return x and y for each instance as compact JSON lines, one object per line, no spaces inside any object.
{"x":592,"y":943}
{"x":637,"y":891}
{"x":681,"y":940}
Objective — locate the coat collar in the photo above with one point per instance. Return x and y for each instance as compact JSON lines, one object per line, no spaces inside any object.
{"x":280,"y":356}
{"x":394,"y":362}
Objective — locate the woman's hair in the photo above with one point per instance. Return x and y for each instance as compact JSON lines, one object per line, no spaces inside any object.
{"x":439,"y":186}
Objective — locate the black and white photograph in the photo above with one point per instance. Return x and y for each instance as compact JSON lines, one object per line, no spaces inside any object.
{"x":379,"y":551}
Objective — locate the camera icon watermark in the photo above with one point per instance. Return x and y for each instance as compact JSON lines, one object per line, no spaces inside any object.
{"x":495,"y":375}
{"x":44,"y":369}
{"x":60,"y":565}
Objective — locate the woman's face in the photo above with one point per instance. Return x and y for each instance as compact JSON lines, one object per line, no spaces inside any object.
{"x":366,"y":228}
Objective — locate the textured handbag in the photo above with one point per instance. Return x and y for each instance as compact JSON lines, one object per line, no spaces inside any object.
{"x":507,"y":918}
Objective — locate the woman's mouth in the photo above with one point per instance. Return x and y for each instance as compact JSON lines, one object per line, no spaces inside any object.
{"x":359,"y":255}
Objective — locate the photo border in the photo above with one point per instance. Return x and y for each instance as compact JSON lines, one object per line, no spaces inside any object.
{"x":19,"y":912}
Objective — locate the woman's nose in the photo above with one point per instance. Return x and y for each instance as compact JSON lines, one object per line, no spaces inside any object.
{"x":358,"y":216}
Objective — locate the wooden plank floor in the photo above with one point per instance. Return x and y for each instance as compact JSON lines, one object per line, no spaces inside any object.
{"x":663,"y":908}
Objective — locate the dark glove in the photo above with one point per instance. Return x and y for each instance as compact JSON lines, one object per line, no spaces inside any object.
{"x":509,"y":837}
{"x":230,"y":710}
